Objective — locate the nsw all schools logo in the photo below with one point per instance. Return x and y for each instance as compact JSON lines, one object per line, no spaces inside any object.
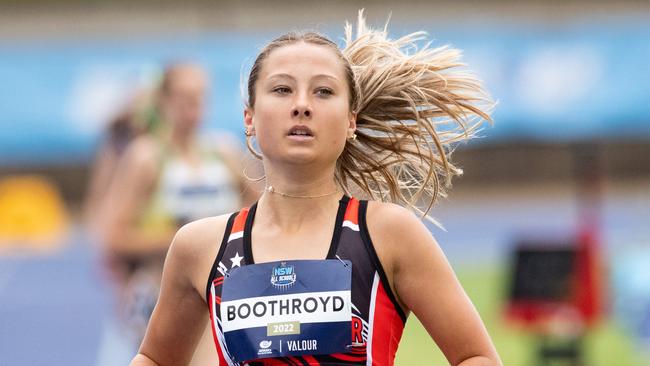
{"x":283,"y":276}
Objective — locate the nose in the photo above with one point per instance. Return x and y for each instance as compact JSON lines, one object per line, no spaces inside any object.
{"x":302,"y":107}
{"x":301,"y":112}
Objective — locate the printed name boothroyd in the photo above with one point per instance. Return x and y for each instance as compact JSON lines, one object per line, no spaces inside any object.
{"x":281,"y":307}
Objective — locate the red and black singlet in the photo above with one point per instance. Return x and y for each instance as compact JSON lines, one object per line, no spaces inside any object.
{"x":377,"y":318}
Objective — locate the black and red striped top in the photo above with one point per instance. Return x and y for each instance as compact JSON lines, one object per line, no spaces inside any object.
{"x":377,"y":318}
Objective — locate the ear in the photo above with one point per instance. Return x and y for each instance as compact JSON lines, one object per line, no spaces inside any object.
{"x":248,"y":120}
{"x":352,"y":122}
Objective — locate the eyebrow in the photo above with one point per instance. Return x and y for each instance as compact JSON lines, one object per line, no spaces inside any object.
{"x":288,"y":76}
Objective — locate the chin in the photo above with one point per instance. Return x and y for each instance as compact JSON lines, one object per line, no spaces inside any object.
{"x":299,"y":157}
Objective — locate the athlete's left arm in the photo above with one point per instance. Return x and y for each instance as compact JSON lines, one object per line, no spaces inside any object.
{"x":425,"y":284}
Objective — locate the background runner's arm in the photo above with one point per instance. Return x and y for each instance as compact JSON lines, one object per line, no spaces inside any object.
{"x":99,"y":182}
{"x":425,"y":284}
{"x":130,"y":189}
{"x":181,"y":313}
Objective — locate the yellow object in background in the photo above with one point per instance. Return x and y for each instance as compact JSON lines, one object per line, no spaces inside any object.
{"x":32,"y":213}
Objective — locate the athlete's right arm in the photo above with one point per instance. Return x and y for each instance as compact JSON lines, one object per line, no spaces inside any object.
{"x":181,"y":314}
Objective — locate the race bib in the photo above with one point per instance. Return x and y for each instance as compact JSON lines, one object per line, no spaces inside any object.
{"x":287,"y":308}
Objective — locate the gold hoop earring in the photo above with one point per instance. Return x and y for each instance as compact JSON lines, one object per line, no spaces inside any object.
{"x":353,"y":137}
{"x":249,"y":145}
{"x":245,"y":174}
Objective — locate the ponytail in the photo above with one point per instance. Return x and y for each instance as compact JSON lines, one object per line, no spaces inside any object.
{"x":413,"y":105}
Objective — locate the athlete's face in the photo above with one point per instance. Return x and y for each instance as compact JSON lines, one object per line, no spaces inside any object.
{"x":183,"y":104}
{"x":301,"y":112}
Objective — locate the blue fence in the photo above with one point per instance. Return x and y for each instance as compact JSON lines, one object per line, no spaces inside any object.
{"x":582,"y":81}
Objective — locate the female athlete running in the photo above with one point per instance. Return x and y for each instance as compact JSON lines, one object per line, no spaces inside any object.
{"x":311,"y":275}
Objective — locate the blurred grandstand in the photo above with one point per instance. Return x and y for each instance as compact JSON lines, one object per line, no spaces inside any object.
{"x":570,"y":77}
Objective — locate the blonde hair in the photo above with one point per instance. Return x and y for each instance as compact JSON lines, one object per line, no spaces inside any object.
{"x":412,"y":104}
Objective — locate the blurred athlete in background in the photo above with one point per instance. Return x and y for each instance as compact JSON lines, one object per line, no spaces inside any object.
{"x":165,"y":180}
{"x":135,"y":118}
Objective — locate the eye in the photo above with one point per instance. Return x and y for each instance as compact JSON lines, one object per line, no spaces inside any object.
{"x":282,"y":90}
{"x":324,"y":92}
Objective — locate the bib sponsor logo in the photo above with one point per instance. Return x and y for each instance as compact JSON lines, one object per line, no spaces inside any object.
{"x":265,"y":348}
{"x":302,"y":345}
{"x":283,"y":276}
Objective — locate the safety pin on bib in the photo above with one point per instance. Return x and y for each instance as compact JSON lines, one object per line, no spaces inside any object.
{"x":342,"y":261}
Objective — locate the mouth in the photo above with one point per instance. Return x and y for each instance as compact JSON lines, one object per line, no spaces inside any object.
{"x":301,"y":132}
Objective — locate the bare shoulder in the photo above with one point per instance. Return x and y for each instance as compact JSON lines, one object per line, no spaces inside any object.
{"x":143,"y":148}
{"x":194,"y":249}
{"x":141,"y":157}
{"x":389,"y":223}
{"x":199,"y":238}
{"x":399,"y":236}
{"x":221,"y":141}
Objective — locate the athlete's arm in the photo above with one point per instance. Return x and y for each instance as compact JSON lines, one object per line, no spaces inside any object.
{"x":130,"y":190}
{"x":100,"y":177}
{"x":181,"y":313}
{"x":425,"y":284}
{"x":142,"y":360}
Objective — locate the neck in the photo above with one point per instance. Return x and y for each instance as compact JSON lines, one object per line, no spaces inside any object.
{"x":298,"y":197}
{"x":182,"y":141}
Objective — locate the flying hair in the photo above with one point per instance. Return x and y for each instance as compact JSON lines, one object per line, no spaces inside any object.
{"x":413,"y":103}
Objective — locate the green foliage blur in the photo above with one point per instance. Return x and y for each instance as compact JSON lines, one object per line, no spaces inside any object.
{"x":605,"y":345}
